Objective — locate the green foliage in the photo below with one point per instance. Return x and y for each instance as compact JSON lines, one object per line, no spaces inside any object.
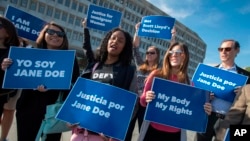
{"x":247,"y":68}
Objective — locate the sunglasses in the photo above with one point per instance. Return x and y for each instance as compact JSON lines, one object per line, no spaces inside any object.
{"x":151,"y":53}
{"x":178,"y":52}
{"x":227,"y":49}
{"x":1,"y":25}
{"x":58,"y":33}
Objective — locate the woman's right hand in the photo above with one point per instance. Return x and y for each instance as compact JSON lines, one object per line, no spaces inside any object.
{"x":137,"y":26}
{"x":6,"y":63}
{"x":150,"y":95}
{"x":84,"y":22}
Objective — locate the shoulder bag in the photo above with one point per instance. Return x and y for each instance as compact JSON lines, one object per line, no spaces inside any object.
{"x":50,"y":124}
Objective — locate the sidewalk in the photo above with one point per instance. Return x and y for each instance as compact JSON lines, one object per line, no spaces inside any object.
{"x":66,"y":136}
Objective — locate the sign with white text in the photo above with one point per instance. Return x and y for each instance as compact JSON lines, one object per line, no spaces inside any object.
{"x":178,"y":105}
{"x":156,"y":27}
{"x":102,"y":18}
{"x":27,"y":25}
{"x":221,"y":82}
{"x":33,"y":67}
{"x":99,"y":107}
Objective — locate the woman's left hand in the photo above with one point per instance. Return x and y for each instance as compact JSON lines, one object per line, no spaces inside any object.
{"x":237,"y":90}
{"x":41,"y":88}
{"x":208,"y":108}
{"x":104,"y":137}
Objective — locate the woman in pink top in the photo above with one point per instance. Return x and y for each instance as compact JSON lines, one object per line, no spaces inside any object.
{"x":174,"y":67}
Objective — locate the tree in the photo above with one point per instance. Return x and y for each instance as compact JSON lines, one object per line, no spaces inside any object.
{"x":247,"y":68}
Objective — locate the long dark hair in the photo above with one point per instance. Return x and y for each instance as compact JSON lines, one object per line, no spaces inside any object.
{"x":41,"y":43}
{"x":125,"y":57}
{"x":12,"y":39}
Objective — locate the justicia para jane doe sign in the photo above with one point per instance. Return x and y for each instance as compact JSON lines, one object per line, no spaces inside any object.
{"x":221,"y":82}
{"x":99,"y":107}
{"x":33,"y":67}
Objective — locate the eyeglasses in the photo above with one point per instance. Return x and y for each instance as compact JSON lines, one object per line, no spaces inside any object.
{"x":227,"y":49}
{"x":151,"y":53}
{"x":177,"y":52}
{"x":58,"y":33}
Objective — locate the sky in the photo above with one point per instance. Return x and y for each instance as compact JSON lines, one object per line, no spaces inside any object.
{"x":214,"y":21}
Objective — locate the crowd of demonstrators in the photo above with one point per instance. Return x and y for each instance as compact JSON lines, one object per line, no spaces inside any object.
{"x":8,"y":37}
{"x":228,"y":51}
{"x":144,"y":67}
{"x":31,"y":106}
{"x":115,"y":59}
{"x":174,"y":68}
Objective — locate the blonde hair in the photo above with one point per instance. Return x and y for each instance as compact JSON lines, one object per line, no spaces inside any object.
{"x":144,"y":68}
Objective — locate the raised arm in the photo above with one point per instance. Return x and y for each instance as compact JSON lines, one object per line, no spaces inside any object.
{"x":136,"y":42}
{"x":86,"y":43}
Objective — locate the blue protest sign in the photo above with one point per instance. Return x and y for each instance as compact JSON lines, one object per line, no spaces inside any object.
{"x":102,"y":18}
{"x":156,"y":27}
{"x":27,"y":25}
{"x":178,"y":105}
{"x":99,"y":107}
{"x":33,"y":67}
{"x":222,"y":83}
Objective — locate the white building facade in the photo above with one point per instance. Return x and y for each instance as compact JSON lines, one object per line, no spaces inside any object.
{"x":69,"y":14}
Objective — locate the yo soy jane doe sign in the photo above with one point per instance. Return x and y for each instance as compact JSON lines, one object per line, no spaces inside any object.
{"x":33,"y":67}
{"x":99,"y":107}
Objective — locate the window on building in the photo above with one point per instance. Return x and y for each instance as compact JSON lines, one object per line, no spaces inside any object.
{"x":93,"y":40}
{"x":111,"y":6}
{"x":57,"y":14}
{"x":13,"y":1}
{"x":128,"y":16}
{"x":98,"y":42}
{"x":71,"y":19}
{"x":80,"y":37}
{"x":33,"y":5}
{"x":2,"y":11}
{"x":67,"y":3}
{"x":106,"y":4}
{"x":60,"y":1}
{"x":24,"y":3}
{"x":80,"y":8}
{"x":75,"y":35}
{"x":95,"y":1}
{"x":78,"y":21}
{"x":85,"y":10}
{"x":74,"y":5}
{"x":41,"y":8}
{"x":101,"y":3}
{"x":64,"y":16}
{"x":49,"y":11}
{"x":132,"y":18}
{"x":68,"y":32}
